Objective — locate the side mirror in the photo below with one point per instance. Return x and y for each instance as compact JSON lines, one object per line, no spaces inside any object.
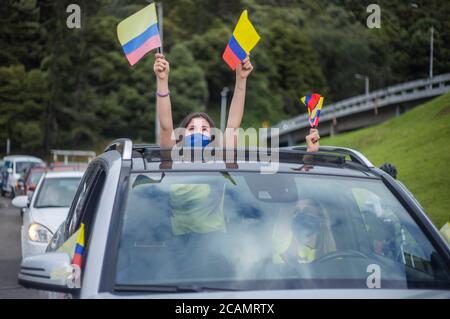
{"x":32,"y":187}
{"x":20,"y":201}
{"x":50,"y":271}
{"x":9,"y":170}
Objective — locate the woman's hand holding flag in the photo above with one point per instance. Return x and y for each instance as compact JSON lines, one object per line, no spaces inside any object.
{"x":244,"y":69}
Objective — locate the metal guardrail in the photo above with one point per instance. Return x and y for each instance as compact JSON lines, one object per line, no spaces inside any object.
{"x":404,"y":92}
{"x":72,"y":153}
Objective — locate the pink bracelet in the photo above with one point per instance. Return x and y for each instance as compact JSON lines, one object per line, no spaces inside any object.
{"x":163,"y":95}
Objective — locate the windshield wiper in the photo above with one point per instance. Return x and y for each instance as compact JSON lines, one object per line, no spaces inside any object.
{"x":167,"y":288}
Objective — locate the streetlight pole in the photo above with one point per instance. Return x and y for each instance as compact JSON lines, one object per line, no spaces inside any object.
{"x":415,"y":6}
{"x":366,"y":80}
{"x":223,"y":107}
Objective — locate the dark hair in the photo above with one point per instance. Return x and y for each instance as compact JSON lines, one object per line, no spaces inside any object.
{"x":185,"y":122}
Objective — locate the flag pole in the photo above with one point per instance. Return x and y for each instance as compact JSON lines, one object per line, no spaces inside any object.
{"x":159,"y":7}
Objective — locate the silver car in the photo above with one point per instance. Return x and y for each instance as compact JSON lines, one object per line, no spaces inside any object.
{"x":144,"y":224}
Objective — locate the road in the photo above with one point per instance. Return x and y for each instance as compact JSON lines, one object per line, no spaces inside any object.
{"x":10,"y":255}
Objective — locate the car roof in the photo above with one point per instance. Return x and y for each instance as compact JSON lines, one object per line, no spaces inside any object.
{"x":22,"y":158}
{"x":64,"y":174}
{"x":330,"y":160}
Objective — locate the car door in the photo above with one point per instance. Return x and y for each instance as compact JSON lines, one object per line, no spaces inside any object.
{"x":82,"y":211}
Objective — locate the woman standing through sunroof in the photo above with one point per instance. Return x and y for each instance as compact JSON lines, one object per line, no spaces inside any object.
{"x":197,"y":126}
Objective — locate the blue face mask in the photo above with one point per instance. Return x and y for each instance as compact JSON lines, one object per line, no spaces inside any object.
{"x":196,"y":140}
{"x":306,"y":225}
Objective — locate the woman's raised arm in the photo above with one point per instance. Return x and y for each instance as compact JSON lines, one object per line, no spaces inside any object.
{"x":163,"y":105}
{"x":238,"y":102}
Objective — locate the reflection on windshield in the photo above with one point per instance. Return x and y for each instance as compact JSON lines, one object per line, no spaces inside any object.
{"x":252,"y":231}
{"x":57,"y":192}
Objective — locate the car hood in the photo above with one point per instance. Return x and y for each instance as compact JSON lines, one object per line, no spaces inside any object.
{"x":51,"y":218}
{"x":295,"y":294}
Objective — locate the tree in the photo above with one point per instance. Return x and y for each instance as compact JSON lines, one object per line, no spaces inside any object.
{"x":189,"y":90}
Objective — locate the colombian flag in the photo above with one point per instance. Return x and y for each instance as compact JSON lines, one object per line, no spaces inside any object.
{"x":314,"y":104}
{"x":139,"y":34}
{"x":79,"y":248}
{"x":242,"y":41}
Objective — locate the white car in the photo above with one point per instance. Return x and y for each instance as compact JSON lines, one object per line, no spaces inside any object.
{"x":46,"y":210}
{"x":14,"y":166}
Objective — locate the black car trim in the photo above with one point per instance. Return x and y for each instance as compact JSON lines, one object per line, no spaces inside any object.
{"x":225,"y":170}
{"x":34,"y":275}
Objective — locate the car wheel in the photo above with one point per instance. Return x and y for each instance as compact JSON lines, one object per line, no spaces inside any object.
{"x":3,"y":193}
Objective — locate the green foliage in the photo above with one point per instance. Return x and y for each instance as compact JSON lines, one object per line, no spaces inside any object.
{"x":191,"y":92}
{"x":23,"y":97}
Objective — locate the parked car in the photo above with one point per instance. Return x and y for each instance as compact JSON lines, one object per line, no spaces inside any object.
{"x":15,"y":167}
{"x":27,"y":184}
{"x":46,"y":210}
{"x":326,"y":224}
{"x":2,"y":163}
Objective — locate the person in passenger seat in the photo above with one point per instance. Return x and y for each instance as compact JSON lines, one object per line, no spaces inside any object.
{"x":303,"y":235}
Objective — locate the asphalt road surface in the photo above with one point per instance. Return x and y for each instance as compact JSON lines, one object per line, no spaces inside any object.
{"x":10,"y":255}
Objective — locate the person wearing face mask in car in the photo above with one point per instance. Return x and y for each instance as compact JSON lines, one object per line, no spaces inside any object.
{"x":303,"y":235}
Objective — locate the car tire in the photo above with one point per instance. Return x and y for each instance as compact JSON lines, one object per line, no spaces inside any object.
{"x":3,"y":193}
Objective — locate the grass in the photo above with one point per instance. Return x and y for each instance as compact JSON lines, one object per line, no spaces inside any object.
{"x":417,"y":143}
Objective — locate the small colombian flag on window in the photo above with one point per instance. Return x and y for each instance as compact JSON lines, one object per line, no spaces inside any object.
{"x":242,"y":41}
{"x":79,"y":248}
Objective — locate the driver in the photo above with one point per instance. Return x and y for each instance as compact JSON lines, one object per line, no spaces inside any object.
{"x":303,"y":235}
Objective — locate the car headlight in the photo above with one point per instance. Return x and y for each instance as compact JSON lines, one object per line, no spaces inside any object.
{"x":39,"y":233}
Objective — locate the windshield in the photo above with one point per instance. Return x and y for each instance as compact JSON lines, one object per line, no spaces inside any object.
{"x":284,"y":231}
{"x":8,"y":164}
{"x":35,"y":177}
{"x":23,"y":167}
{"x":57,"y":192}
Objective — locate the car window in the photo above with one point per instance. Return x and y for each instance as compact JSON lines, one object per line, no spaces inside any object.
{"x":254,"y":231}
{"x":35,"y":177}
{"x":8,"y":164}
{"x":83,"y":211}
{"x":81,"y":198}
{"x":23,"y":167}
{"x":56,"y":192}
{"x":389,"y":235}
